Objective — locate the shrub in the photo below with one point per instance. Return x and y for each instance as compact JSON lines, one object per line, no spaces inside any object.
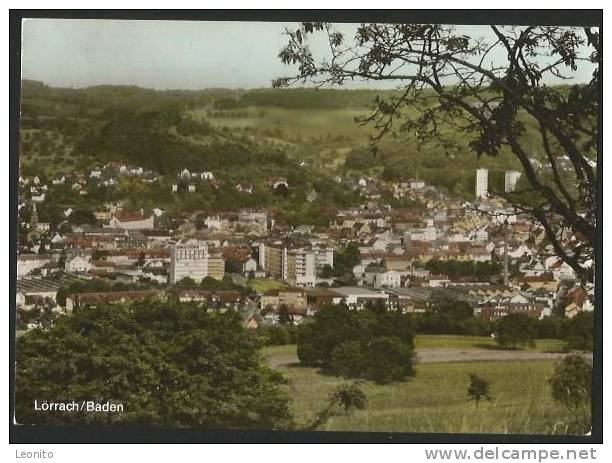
{"x":276,"y":335}
{"x":347,"y":359}
{"x":571,"y":386}
{"x":517,"y":330}
{"x":551,"y":327}
{"x":478,"y":389}
{"x":579,"y":332}
{"x":387,"y":359}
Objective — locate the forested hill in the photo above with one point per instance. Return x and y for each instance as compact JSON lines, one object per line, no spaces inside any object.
{"x":238,"y":134}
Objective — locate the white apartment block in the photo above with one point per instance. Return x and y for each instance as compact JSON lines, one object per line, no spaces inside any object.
{"x":323,"y":256}
{"x":482,"y":183}
{"x":190,"y":259}
{"x":304,"y":267}
{"x":296,"y":266}
{"x":511,"y":178}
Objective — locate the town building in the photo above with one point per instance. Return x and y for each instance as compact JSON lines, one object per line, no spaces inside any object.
{"x":381,"y":277}
{"x":482,"y":183}
{"x":132,"y":221}
{"x":294,"y":298}
{"x":192,"y":259}
{"x":296,"y":266}
{"x":511,"y":178}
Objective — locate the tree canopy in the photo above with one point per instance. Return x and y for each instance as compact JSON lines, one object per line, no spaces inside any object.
{"x":371,"y":344}
{"x":169,"y":364}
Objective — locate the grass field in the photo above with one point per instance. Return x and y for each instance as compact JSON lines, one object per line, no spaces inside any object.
{"x":435,"y":399}
{"x":482,"y":342}
{"x":307,"y":123}
{"x":261,"y":285}
{"x":427,"y":340}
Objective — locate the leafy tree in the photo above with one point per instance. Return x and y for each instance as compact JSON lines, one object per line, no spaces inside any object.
{"x":478,"y":389}
{"x":284,"y":316}
{"x":330,"y":327}
{"x":579,"y":332}
{"x":276,"y":335}
{"x":551,"y":327}
{"x":347,"y":359}
{"x":345,"y":260}
{"x":169,"y":364}
{"x":327,"y":271}
{"x":346,"y":397}
{"x":452,"y":317}
{"x":455,"y":97}
{"x":459,"y":310}
{"x":369,"y":344}
{"x":233,"y":266}
{"x":82,"y":216}
{"x":571,"y":386}
{"x":386,"y":359}
{"x":41,"y":314}
{"x":483,"y":271}
{"x":517,"y":330}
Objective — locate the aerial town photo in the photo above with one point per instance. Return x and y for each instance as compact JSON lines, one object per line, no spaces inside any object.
{"x":375,"y":227}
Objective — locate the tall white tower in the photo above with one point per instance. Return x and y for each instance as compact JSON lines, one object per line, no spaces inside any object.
{"x":511,"y":178}
{"x":482,"y":183}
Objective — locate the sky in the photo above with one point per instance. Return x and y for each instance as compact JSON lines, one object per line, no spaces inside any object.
{"x":168,"y":54}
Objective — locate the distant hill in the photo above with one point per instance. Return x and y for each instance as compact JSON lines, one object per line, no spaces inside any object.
{"x":239,"y":134}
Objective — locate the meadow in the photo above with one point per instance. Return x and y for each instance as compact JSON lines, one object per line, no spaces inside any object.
{"x":485,"y":342}
{"x":435,"y":400}
{"x":261,"y":285}
{"x":305,"y":123}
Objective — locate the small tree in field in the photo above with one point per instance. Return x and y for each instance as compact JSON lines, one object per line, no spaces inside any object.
{"x":478,"y":389}
{"x":571,"y":386}
{"x":346,"y":396}
{"x":517,"y":330}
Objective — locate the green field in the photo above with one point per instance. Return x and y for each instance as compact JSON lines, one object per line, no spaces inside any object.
{"x":306,"y":123}
{"x":481,"y":342}
{"x":435,"y":399}
{"x":262,"y":285}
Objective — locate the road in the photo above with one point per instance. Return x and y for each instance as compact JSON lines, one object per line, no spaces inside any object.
{"x":449,"y":354}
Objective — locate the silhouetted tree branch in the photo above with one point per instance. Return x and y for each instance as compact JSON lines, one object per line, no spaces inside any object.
{"x":455,"y":85}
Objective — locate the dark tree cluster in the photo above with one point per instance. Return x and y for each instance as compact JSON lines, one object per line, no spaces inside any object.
{"x":453,"y":317}
{"x":370,"y":344}
{"x":169,"y":364}
{"x":482,"y":271}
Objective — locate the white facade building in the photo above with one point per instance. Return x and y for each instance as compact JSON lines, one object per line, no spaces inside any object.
{"x":78,"y":264}
{"x":189,"y":260}
{"x":511,"y":178}
{"x":140,"y":223}
{"x":388,"y":279}
{"x":482,"y":183}
{"x":304,"y":268}
{"x":324,"y":256}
